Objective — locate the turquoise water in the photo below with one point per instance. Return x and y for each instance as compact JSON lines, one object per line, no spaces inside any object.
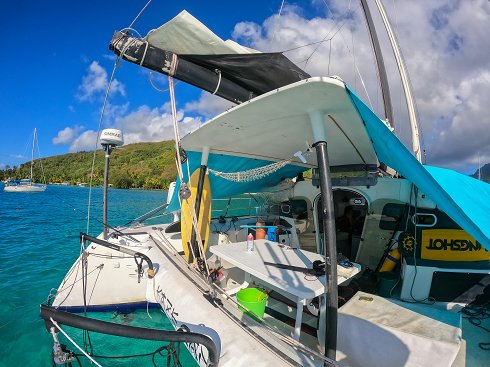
{"x":39,"y":241}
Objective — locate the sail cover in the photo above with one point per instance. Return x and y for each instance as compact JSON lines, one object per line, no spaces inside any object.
{"x":185,"y":49}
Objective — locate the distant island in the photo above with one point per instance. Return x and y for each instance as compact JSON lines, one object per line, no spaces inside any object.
{"x":133,"y":166}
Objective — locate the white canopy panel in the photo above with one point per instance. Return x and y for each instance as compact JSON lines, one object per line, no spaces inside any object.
{"x":276,"y":125}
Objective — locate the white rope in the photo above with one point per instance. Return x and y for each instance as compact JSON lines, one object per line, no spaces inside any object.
{"x":155,"y":87}
{"x":179,"y":169}
{"x":253,"y":174}
{"x":219,"y":80}
{"x":75,"y":344}
{"x":176,"y":128}
{"x":144,"y":53}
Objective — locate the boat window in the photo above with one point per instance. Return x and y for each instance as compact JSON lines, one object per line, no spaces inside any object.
{"x":424,"y":219}
{"x":299,"y":208}
{"x":392,"y":216}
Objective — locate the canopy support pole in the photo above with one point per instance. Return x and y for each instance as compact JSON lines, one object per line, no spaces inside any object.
{"x":197,"y":204}
{"x":330,"y":298}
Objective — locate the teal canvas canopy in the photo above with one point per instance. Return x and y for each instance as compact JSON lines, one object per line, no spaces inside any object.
{"x":465,"y":199}
{"x":222,"y":188}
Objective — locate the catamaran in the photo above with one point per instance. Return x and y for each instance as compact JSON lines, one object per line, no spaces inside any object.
{"x":373,"y":261}
{"x":27,"y":184}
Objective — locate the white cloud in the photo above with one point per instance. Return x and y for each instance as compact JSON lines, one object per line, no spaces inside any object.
{"x":85,"y":141}
{"x":3,"y":166}
{"x":446,"y":47}
{"x":95,"y":83}
{"x":208,"y":105}
{"x":153,"y":124}
{"x":144,"y":124}
{"x":67,"y":135}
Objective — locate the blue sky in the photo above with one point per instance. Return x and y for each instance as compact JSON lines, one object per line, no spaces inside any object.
{"x":56,"y":64}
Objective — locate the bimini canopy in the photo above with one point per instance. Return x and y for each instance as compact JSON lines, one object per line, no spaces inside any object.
{"x":187,"y":50}
{"x":271,"y":128}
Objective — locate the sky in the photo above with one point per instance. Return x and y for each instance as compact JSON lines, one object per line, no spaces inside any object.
{"x":56,"y":66}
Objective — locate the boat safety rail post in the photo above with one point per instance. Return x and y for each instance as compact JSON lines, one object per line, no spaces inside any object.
{"x":51,"y":314}
{"x":138,"y":256}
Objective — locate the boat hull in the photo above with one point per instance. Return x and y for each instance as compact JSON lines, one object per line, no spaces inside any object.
{"x":25,"y":188}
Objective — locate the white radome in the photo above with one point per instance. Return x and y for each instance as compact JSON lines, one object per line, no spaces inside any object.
{"x":111,"y":137}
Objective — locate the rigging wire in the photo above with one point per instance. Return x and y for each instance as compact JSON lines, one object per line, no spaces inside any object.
{"x":326,"y":38}
{"x":141,"y":12}
{"x":280,"y":9}
{"x":86,"y":335}
{"x":279,"y":16}
{"x":116,"y":63}
{"x":97,"y":142}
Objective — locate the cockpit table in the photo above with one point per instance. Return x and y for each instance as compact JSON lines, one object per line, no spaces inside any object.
{"x":300,"y":286}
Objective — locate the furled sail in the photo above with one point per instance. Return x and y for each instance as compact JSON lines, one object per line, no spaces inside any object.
{"x":187,"y":50}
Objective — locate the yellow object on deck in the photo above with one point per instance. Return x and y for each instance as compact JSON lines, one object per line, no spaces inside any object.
{"x":187,"y":208}
{"x":391,"y":260}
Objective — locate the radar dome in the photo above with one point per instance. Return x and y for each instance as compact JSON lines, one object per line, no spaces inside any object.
{"x":112,"y":137}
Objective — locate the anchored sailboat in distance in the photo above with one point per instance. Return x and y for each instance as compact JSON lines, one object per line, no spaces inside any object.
{"x":27,"y":184}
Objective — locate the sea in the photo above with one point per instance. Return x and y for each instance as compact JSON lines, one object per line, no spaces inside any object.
{"x":39,"y":241}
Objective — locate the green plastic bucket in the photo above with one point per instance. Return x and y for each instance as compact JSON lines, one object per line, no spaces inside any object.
{"x":254,"y":300}
{"x":387,"y":282}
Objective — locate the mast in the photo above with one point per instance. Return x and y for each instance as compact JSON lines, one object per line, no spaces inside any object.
{"x":412,"y":115}
{"x":32,"y":153}
{"x":479,"y":168}
{"x":383,"y":78}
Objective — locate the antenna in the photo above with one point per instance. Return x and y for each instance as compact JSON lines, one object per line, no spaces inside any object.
{"x":109,"y":139}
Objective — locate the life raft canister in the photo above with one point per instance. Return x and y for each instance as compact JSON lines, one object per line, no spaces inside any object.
{"x":391,"y":261}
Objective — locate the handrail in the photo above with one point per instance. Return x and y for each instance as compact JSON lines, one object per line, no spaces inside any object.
{"x":110,"y":328}
{"x":85,"y":237}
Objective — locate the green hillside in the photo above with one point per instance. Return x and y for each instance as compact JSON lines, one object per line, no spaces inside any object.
{"x":140,"y":165}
